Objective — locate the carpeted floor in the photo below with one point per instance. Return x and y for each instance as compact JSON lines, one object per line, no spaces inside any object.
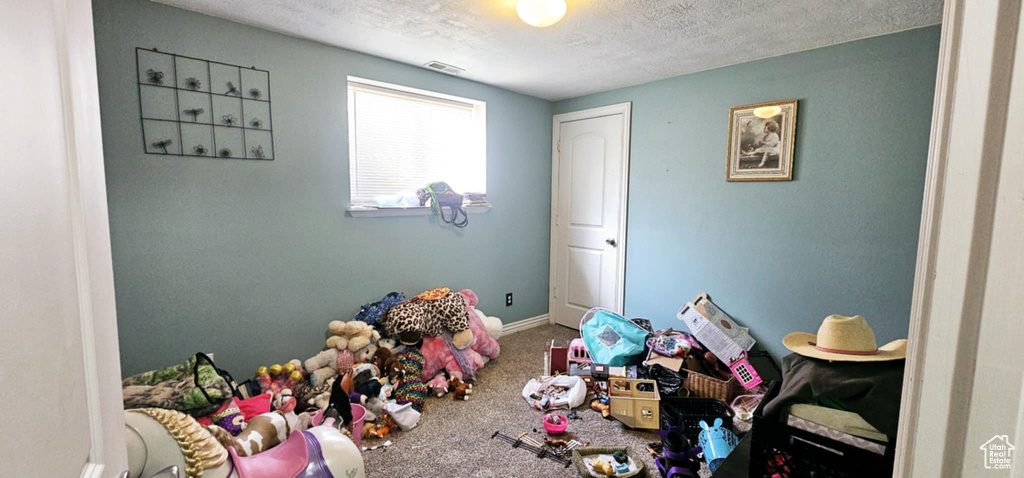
{"x":453,"y":438}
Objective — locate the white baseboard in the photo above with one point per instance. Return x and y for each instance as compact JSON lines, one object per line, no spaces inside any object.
{"x":521,"y":325}
{"x":92,"y":470}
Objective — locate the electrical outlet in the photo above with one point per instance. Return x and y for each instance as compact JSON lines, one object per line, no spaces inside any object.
{"x":508,"y":300}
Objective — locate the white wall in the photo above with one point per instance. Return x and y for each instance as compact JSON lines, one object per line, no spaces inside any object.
{"x":60,"y":375}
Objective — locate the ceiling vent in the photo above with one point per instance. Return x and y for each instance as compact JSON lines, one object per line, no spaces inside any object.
{"x":444,"y":68}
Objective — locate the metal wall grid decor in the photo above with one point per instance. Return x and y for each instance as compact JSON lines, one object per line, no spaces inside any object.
{"x":194,"y":107}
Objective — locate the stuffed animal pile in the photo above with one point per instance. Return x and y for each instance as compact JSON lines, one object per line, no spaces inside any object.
{"x":349,"y":343}
{"x":430,"y":314}
{"x":441,"y":358}
{"x":380,"y":361}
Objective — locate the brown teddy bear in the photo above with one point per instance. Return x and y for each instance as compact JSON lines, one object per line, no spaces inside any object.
{"x":356,"y":336}
{"x":349,"y":343}
{"x":388,"y":364}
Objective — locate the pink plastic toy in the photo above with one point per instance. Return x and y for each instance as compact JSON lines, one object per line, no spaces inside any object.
{"x":578,"y":352}
{"x":559,"y":425}
{"x":745,"y":373}
{"x":356,"y":427}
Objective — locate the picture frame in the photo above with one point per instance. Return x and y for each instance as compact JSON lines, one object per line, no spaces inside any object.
{"x":761,"y":142}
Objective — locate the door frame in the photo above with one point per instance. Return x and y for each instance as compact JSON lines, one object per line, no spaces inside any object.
{"x":972,"y":92}
{"x":557,"y":120}
{"x":87,"y":187}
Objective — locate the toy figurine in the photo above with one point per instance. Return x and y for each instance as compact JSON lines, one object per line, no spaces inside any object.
{"x":555,"y":442}
{"x":379,"y":430}
{"x":602,"y":467}
{"x":461,"y":389}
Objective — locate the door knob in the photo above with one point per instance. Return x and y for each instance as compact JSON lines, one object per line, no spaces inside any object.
{"x":610,"y":242}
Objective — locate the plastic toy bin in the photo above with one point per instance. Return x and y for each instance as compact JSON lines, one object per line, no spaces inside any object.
{"x":690,"y":411}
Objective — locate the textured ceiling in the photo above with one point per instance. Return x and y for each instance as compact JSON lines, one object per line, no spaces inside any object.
{"x":600,"y":45}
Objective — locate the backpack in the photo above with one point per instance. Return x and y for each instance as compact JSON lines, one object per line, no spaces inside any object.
{"x":611,"y":338}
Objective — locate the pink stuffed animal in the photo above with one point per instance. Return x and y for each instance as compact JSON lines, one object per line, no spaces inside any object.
{"x":485,"y":345}
{"x":439,"y":357}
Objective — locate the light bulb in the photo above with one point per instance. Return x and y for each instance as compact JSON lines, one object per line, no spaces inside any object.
{"x":767,"y":111}
{"x":541,"y":13}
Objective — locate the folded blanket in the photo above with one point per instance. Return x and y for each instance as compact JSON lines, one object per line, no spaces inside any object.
{"x":870,"y":389}
{"x":195,"y":387}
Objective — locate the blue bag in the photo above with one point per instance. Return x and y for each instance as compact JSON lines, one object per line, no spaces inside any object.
{"x":611,"y":338}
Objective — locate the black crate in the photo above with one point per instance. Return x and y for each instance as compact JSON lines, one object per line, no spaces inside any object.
{"x":690,"y":411}
{"x":811,"y":454}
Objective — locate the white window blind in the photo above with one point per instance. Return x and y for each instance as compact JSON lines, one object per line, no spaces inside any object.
{"x":402,"y":139}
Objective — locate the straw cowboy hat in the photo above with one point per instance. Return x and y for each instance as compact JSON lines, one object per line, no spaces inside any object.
{"x":844,"y":339}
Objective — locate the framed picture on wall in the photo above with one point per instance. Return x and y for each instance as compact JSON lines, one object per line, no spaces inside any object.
{"x":761,"y":139}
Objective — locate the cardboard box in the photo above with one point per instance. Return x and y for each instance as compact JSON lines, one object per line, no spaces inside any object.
{"x":671,"y":363}
{"x":635,"y":402}
{"x":715,"y":329}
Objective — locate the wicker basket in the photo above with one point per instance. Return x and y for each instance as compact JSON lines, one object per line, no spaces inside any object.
{"x":580,"y":453}
{"x":703,"y":386}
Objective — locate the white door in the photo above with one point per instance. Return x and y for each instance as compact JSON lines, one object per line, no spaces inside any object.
{"x":59,"y":365}
{"x":588,"y":244}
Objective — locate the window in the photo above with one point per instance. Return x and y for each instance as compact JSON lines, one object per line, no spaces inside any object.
{"x":401,"y":139}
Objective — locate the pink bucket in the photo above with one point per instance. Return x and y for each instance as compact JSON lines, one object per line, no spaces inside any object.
{"x":555,"y":428}
{"x":356,"y":427}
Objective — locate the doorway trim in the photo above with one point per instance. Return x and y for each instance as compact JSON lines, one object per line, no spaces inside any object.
{"x":974,"y":74}
{"x":90,"y":230}
{"x":620,"y":108}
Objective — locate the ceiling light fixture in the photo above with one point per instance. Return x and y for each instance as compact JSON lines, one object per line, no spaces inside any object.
{"x":767,"y":111}
{"x":541,"y":13}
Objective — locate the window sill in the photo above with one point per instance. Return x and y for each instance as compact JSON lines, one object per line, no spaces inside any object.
{"x":370,"y":211}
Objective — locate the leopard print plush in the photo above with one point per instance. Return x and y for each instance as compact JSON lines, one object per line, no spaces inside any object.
{"x":449,"y":312}
{"x":404,"y":318}
{"x":428,"y":317}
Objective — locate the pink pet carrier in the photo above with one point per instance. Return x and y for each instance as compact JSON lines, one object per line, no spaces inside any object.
{"x":578,"y":352}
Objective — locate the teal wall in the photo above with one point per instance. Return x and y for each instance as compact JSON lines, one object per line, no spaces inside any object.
{"x":251,"y":260}
{"x":780,"y":256}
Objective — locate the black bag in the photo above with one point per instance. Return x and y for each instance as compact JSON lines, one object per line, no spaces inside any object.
{"x":248,"y":389}
{"x":442,"y":196}
{"x":670,"y":382}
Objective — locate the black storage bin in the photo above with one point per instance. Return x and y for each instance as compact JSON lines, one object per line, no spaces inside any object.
{"x":809,"y":455}
{"x":690,"y":411}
